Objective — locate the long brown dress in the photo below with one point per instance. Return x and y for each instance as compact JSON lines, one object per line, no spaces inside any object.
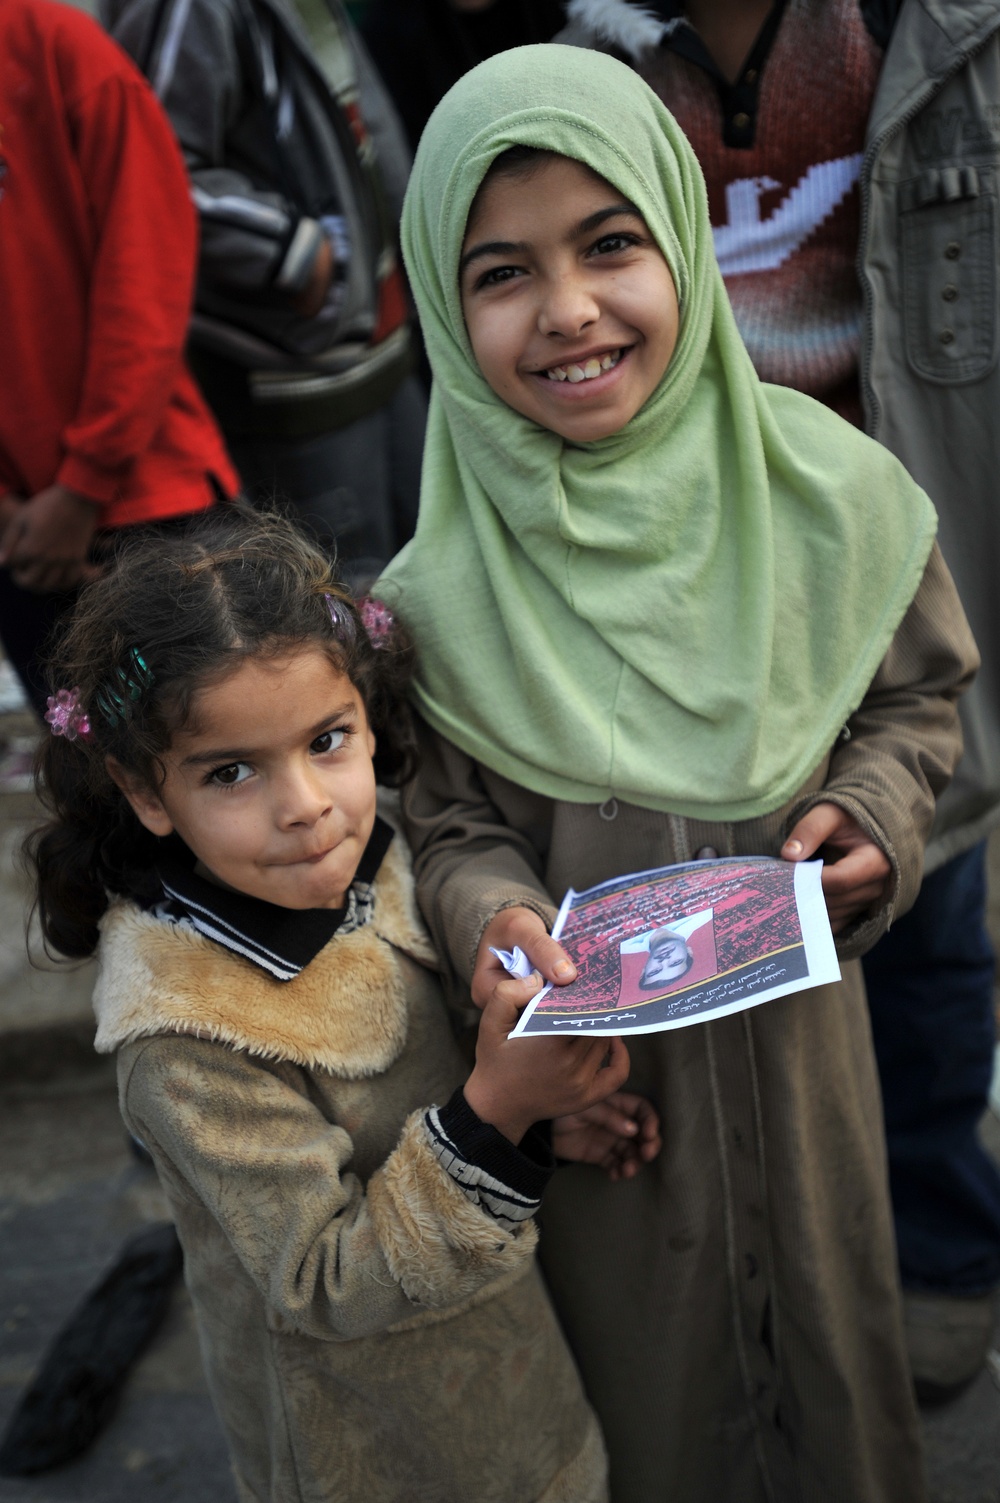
{"x":734,"y":1308}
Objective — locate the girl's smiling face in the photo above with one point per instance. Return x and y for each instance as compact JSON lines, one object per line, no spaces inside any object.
{"x":271,"y":783}
{"x":569,"y":303}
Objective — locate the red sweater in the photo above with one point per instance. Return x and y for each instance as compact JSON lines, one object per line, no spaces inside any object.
{"x":98,"y":245}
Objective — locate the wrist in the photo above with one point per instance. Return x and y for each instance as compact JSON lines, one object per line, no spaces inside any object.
{"x":490,"y":1108}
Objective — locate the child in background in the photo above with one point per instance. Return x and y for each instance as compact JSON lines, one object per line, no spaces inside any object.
{"x":664,"y":611}
{"x":357,"y":1230}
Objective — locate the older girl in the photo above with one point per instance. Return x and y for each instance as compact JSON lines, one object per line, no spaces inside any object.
{"x":664,"y":611}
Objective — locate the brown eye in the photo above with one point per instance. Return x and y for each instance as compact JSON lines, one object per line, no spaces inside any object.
{"x":329,"y":741}
{"x":609,"y":245}
{"x":495,"y":277}
{"x":230,"y":775}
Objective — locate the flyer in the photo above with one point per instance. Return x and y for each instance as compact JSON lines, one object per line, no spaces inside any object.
{"x":684,"y":944}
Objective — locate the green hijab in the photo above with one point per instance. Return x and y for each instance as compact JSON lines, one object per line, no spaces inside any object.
{"x":681,"y":615}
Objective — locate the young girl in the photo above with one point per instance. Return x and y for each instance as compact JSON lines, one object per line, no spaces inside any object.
{"x":357,"y":1231}
{"x":664,"y":612}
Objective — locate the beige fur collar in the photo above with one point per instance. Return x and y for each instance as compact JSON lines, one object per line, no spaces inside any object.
{"x":346,"y":1012}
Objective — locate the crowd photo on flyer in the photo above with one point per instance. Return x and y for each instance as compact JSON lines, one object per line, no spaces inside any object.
{"x":497,"y":545}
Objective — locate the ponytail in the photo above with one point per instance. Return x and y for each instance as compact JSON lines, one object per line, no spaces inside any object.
{"x":92,"y":845}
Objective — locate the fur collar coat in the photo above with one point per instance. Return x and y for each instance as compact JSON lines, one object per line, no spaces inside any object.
{"x":358,"y":1314}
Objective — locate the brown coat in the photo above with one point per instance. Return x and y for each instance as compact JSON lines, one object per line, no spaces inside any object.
{"x":734,"y":1308}
{"x":370,"y":1335}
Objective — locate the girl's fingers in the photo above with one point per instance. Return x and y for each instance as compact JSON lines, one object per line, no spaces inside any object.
{"x":550,"y":959}
{"x":546,"y":954}
{"x":858,"y":898}
{"x":866,"y":866}
{"x":812,"y":831}
{"x":505,"y":1002}
{"x":525,"y":929}
{"x":609,"y":1116}
{"x":647,"y":1117}
{"x":614,"y":1072}
{"x":853,"y":881}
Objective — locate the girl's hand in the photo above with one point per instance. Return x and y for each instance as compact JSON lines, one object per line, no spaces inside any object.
{"x":517,"y":1082}
{"x":619,"y":1135}
{"x":518,"y":926}
{"x":857,"y":872}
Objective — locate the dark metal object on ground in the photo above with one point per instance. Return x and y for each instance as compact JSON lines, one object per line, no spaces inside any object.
{"x":84,"y":1371}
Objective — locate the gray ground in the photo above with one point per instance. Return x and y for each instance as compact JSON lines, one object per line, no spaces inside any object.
{"x":70,"y":1192}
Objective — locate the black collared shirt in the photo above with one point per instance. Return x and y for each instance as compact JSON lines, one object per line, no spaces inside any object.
{"x":738,"y":99}
{"x":282,"y":941}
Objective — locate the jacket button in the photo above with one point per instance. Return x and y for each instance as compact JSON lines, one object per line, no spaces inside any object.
{"x":707,"y":853}
{"x":947,"y":336}
{"x":953,"y":250}
{"x":950,"y":293}
{"x":741,"y":121}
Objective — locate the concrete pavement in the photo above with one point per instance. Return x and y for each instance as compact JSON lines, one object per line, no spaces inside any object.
{"x":70,"y":1193}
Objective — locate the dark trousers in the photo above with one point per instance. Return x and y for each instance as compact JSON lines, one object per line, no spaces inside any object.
{"x":26,"y":624}
{"x":357,"y":488}
{"x":28,"y":621}
{"x":930,"y":991}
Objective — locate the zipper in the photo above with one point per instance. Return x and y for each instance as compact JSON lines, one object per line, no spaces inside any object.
{"x":869,"y":400}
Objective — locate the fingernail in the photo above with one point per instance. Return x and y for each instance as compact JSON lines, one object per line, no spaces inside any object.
{"x":794,"y":847}
{"x":564,"y":968}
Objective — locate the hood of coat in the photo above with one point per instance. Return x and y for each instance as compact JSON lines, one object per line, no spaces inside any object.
{"x":346,"y":1012}
{"x":632,"y":29}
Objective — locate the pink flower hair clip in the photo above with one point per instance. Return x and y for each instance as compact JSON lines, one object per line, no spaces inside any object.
{"x":66,"y":716}
{"x":377,"y":620}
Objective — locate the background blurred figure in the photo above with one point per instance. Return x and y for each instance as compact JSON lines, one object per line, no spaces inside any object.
{"x":101,"y":426}
{"x":422,"y":47}
{"x":300,"y":337}
{"x":837,"y":134}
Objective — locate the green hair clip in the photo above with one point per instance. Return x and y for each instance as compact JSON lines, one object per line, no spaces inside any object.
{"x":115,"y":700}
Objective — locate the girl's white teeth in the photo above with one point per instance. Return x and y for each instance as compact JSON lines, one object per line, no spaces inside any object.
{"x":587,"y":372}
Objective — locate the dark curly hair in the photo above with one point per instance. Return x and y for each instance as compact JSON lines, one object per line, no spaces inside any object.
{"x":193,"y":606}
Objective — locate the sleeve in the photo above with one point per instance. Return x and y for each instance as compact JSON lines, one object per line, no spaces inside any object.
{"x":385,"y":127}
{"x":203,"y":68}
{"x":900,"y":747}
{"x":469,"y":863}
{"x":337,"y":1259}
{"x":507,"y":1181}
{"x":141,"y":282}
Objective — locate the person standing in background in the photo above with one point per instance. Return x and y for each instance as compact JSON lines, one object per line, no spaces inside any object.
{"x":422,"y":47}
{"x":838,"y":135}
{"x":300,"y":337}
{"x":101,"y":425}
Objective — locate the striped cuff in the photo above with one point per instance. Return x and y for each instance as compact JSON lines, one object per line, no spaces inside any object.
{"x":504,"y":1181}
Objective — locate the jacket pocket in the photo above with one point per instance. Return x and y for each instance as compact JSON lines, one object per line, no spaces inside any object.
{"x":949,"y":261}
